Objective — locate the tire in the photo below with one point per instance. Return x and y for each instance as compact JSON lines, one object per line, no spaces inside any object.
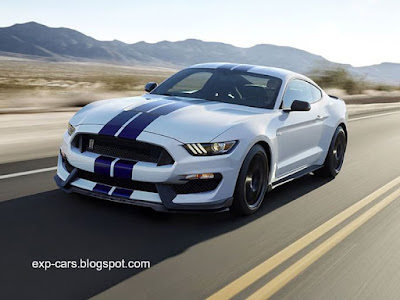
{"x":335,"y":157}
{"x":252,"y":182}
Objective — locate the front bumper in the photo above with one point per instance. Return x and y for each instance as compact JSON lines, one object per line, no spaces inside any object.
{"x":164,"y":198}
{"x":216,"y":206}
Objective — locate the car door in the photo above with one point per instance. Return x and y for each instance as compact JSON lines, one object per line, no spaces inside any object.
{"x":299,"y":132}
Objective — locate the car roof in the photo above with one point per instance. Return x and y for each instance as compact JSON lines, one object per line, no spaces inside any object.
{"x":276,"y":72}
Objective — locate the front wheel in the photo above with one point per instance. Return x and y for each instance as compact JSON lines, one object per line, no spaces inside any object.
{"x":334,"y":160}
{"x":252,"y":182}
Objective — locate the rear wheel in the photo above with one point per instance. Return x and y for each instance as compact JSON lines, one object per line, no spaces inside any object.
{"x":334,"y":159}
{"x":252,"y":182}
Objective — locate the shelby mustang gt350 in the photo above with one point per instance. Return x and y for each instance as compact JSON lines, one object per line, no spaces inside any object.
{"x":211,"y":137}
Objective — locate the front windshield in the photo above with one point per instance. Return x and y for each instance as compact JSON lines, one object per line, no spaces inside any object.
{"x":222,"y":85}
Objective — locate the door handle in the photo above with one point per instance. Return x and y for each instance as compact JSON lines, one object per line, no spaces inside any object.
{"x":319,"y":117}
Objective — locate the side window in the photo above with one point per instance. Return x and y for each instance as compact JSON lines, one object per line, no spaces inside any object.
{"x":316,"y":93}
{"x":297,"y":90}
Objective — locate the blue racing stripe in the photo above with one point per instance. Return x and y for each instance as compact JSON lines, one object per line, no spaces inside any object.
{"x":243,"y":68}
{"x":123,"y":169}
{"x":147,"y":106}
{"x":164,"y":110}
{"x":100,"y":188}
{"x":102,"y":165}
{"x":227,"y":66}
{"x":134,"y":128}
{"x":116,"y":123}
{"x":122,"y":192}
{"x":137,"y":125}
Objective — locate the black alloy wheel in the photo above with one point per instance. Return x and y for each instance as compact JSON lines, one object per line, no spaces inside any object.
{"x":252,"y":182}
{"x":335,"y":157}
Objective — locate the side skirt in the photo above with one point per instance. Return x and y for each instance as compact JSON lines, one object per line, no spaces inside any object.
{"x":293,"y":176}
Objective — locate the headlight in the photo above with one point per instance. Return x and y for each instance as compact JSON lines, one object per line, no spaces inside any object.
{"x":199,"y":149}
{"x":71,"y":129}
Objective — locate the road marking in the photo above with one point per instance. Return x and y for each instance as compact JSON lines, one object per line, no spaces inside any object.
{"x":268,"y":265}
{"x":294,"y":270}
{"x":373,"y":116}
{"x":27,"y":173}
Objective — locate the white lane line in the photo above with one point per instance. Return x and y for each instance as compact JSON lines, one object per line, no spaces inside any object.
{"x":27,"y":173}
{"x":373,"y":116}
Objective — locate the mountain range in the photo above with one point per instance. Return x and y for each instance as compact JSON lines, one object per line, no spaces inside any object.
{"x":37,"y":41}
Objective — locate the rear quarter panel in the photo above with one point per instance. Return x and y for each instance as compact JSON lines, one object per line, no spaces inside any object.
{"x":337,"y":114}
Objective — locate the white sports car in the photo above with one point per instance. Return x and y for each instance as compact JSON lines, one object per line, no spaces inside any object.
{"x":211,"y":137}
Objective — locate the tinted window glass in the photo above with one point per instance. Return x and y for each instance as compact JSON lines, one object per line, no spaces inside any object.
{"x":298,"y":90}
{"x":191,"y":83}
{"x":316,"y":93}
{"x":221,"y":85}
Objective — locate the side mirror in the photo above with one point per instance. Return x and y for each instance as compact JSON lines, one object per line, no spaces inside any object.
{"x":298,"y":105}
{"x":150,"y":86}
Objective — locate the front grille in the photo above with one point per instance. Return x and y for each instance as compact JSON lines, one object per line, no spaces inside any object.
{"x":197,"y":186}
{"x":123,"y":148}
{"x":118,"y":182}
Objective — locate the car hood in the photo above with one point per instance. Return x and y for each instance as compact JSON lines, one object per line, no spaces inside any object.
{"x":197,"y":121}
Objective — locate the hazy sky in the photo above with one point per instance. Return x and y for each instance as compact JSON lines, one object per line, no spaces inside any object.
{"x":358,"y":32}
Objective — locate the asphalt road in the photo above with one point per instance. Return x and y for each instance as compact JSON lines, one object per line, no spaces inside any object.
{"x":194,"y":256}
